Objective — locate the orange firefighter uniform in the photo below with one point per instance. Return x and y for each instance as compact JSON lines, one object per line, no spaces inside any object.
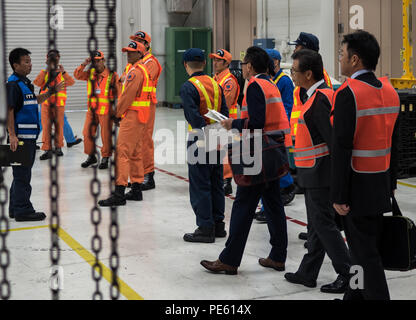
{"x":47,"y":113}
{"x":101,"y":105}
{"x":134,"y":109}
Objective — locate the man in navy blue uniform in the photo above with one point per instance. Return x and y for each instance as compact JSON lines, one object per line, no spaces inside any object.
{"x":206,"y":186}
{"x":23,"y":127}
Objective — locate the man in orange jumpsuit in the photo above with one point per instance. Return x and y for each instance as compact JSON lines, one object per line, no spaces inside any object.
{"x":154,"y":70}
{"x":46,"y":80}
{"x":229,"y":84}
{"x":133,"y":112}
{"x":105,"y":91}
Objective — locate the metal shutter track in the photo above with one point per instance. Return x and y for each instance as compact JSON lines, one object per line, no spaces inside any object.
{"x":27,"y":28}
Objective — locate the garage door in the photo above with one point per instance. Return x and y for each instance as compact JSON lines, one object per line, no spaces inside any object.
{"x":26,"y":27}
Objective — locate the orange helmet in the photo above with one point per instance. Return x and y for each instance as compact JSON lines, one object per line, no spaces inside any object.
{"x":141,"y":35}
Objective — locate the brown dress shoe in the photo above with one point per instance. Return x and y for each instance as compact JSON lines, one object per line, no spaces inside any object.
{"x":269,"y":263}
{"x":218,"y":266}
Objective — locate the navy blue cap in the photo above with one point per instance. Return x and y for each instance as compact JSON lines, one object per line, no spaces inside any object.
{"x":194,"y":54}
{"x":274,"y":54}
{"x":308,"y":40}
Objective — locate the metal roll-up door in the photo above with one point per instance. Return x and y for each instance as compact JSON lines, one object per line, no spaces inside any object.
{"x":26,"y":27}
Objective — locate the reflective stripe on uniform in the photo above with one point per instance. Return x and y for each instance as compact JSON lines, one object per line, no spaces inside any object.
{"x":274,"y":100}
{"x":321,"y":149}
{"x":27,"y":136}
{"x":27,"y":126}
{"x":377,"y":111}
{"x":27,"y":102}
{"x":295,"y":115}
{"x":370,"y":153}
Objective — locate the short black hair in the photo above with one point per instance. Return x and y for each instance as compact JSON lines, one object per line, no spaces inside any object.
{"x":365,"y":46}
{"x":271,"y":68}
{"x":16,"y":54}
{"x":258,"y":58}
{"x":310,"y":60}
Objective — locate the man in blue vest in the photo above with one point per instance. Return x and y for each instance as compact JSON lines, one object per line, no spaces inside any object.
{"x":23,"y":128}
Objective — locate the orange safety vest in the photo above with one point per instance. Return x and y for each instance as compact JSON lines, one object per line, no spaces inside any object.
{"x":233,"y":108}
{"x":59,"y":98}
{"x":297,"y":105}
{"x":102,"y":93}
{"x":209,"y":93}
{"x":141,"y":103}
{"x":153,"y":83}
{"x":377,"y":110}
{"x":276,"y":118}
{"x":305,"y":151}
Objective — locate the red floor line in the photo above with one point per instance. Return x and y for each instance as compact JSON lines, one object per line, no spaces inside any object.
{"x":229,"y":197}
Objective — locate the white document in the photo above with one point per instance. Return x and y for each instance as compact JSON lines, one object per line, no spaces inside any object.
{"x":215,"y":115}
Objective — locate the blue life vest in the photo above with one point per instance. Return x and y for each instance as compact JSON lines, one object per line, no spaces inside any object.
{"x":27,"y":119}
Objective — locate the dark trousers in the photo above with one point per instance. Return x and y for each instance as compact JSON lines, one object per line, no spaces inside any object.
{"x":363,"y":236}
{"x":242,"y":215}
{"x":206,"y":190}
{"x":323,"y":237}
{"x":21,"y":189}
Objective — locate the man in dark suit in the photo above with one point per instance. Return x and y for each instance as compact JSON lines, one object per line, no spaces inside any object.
{"x":312,"y":158}
{"x":364,"y":159}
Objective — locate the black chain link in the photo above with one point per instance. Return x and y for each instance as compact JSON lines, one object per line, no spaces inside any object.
{"x":5,"y":288}
{"x":114,"y":228}
{"x":95,"y":185}
{"x":54,"y":161}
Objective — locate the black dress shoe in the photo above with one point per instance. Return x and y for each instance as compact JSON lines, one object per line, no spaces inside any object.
{"x":59,"y":152}
{"x":90,"y":161}
{"x":71,"y":144}
{"x":228,"y":188}
{"x":288,"y":194}
{"x":220,"y":230}
{"x":305,"y":245}
{"x":34,"y":216}
{"x":295,"y":278}
{"x":261,"y":217}
{"x":201,"y":235}
{"x":46,"y":155}
{"x":299,"y":190}
{"x":11,"y":215}
{"x":338,"y":286}
{"x":218,"y":267}
{"x":303,"y":236}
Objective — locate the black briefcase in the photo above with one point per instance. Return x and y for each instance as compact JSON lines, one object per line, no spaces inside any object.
{"x":21,"y":157}
{"x":398,"y":241}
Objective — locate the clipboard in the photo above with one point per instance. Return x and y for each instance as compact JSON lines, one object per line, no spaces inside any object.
{"x":21,"y":157}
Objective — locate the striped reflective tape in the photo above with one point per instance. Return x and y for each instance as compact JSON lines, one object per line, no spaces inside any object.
{"x":377,"y":111}
{"x":370,"y":153}
{"x":295,"y":114}
{"x":27,"y":126}
{"x":27,"y":136}
{"x":28,"y":102}
{"x":274,"y":100}
{"x":322,"y":150}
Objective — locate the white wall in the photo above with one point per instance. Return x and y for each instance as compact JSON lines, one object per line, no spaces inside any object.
{"x":313,"y":16}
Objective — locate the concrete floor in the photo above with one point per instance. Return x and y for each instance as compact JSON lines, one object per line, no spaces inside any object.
{"x":155,"y":262}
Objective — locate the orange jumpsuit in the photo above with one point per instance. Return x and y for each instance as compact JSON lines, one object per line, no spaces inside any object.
{"x":132,"y":126}
{"x":104,"y":120}
{"x":231,"y":91}
{"x":47,"y":114}
{"x":154,"y":70}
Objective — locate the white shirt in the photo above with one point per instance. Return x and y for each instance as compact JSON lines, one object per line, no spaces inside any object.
{"x":359,"y":73}
{"x":312,"y":89}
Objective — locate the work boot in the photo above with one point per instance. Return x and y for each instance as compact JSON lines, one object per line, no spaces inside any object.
{"x":220,"y":230}
{"x":71,"y":144}
{"x":288,"y":194}
{"x":46,"y":155}
{"x":103,"y":164}
{"x":149,"y":182}
{"x":90,"y":161}
{"x":204,"y":235}
{"x":116,"y":199}
{"x":261,"y":217}
{"x":59,"y":152}
{"x":135,"y":194}
{"x":228,"y":188}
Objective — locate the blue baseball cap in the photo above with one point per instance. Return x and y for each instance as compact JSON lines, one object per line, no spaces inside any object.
{"x":274,"y":54}
{"x":308,"y":40}
{"x":194,"y":54}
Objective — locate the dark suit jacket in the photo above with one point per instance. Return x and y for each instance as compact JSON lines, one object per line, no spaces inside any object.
{"x":319,"y":126}
{"x":366,"y":194}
